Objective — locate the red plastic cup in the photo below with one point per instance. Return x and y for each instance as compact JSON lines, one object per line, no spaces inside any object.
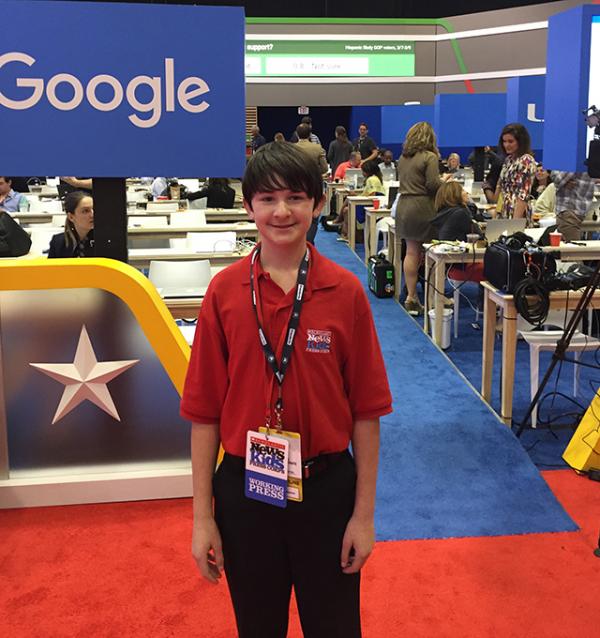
{"x":376,"y":203}
{"x":555,"y":238}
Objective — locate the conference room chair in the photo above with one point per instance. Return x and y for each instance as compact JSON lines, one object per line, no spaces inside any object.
{"x":180,"y":274}
{"x":53,"y":206}
{"x":162,"y":207}
{"x":178,"y":243}
{"x":457,"y":276}
{"x":154,"y":221}
{"x":545,"y":341}
{"x":188,"y":218}
{"x":218,"y":242}
{"x":199,"y":204}
{"x":40,"y":238}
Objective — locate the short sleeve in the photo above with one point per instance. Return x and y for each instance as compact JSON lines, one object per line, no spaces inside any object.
{"x":207,"y":380}
{"x":365,"y":378}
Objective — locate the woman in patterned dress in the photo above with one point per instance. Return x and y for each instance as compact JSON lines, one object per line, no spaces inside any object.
{"x":514,"y":185}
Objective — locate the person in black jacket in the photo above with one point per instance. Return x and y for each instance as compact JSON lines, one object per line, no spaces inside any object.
{"x":218,"y":193}
{"x":78,"y":238}
{"x":454,"y":219}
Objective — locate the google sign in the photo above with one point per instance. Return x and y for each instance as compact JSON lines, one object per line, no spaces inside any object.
{"x":188,"y":89}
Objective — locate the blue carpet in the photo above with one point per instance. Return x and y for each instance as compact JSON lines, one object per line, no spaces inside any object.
{"x":449,"y":467}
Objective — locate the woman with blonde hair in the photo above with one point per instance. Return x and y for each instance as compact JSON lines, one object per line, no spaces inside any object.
{"x":419,"y":176}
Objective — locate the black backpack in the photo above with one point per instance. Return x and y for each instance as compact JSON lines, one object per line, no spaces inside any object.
{"x":511,"y":259}
{"x":14,"y":241}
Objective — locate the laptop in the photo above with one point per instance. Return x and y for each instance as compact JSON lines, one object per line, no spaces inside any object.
{"x":353,"y":174}
{"x":392,"y":193}
{"x":496,"y":227}
{"x":182,"y":292}
{"x":388,"y":174}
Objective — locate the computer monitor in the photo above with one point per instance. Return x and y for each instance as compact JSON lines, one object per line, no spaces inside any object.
{"x":388,"y":173}
{"x":392,"y":194}
{"x":353,"y":174}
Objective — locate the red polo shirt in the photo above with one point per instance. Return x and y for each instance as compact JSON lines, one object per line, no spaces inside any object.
{"x":336,"y":374}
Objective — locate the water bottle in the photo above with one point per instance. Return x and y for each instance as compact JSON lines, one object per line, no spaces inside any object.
{"x":23,"y":204}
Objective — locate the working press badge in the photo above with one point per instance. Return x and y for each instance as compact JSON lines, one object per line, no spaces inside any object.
{"x":294,"y":480}
{"x":266,"y":468}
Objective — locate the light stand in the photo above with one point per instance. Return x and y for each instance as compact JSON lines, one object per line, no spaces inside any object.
{"x":563,"y":343}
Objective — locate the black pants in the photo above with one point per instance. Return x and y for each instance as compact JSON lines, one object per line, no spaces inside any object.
{"x":268,"y":550}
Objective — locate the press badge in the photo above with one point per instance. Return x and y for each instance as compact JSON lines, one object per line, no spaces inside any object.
{"x":294,"y":480}
{"x":266,"y":468}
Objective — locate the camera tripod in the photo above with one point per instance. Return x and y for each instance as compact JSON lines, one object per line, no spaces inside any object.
{"x":563,"y":343}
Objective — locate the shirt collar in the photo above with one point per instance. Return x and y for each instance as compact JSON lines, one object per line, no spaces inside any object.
{"x":321,"y":274}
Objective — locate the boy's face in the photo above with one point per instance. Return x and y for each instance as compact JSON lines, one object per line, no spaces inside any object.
{"x":283,"y":217}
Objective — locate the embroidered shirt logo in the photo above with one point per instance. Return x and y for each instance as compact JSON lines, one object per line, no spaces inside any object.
{"x":318,"y":341}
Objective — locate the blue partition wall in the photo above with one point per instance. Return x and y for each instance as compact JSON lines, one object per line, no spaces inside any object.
{"x":567,"y":88}
{"x":469,"y":119}
{"x":525,"y":99}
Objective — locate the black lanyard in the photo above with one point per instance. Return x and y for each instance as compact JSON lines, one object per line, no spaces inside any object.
{"x":279,"y":370}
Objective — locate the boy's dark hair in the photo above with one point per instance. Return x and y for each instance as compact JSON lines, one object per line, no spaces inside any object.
{"x":282,"y":165}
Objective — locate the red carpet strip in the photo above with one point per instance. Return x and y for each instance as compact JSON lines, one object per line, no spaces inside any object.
{"x":125,"y":570}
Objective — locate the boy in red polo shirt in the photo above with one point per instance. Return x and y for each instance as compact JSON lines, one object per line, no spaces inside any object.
{"x":285,"y":372}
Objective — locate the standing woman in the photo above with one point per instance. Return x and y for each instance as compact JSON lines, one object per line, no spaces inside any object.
{"x":78,"y":238}
{"x":339,"y":149}
{"x":419,"y":176}
{"x":516,"y":178}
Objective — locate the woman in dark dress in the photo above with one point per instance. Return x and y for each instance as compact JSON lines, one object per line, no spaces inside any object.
{"x":77,"y":240}
{"x":218,"y":193}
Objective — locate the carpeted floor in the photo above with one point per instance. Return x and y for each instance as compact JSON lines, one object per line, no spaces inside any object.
{"x":449,"y":467}
{"x":124,"y":570}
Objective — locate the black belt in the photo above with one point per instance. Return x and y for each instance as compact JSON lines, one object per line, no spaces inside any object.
{"x":310,"y":468}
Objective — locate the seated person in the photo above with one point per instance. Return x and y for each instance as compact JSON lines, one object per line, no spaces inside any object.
{"x":279,"y":137}
{"x":373,"y":186}
{"x":78,"y":237}
{"x":452,"y":163}
{"x":353,"y":162}
{"x":217,"y":191}
{"x":10,"y":200}
{"x":540,"y":182}
{"x":387,"y":159}
{"x":545,"y":204}
{"x":454,"y":219}
{"x":453,"y":222}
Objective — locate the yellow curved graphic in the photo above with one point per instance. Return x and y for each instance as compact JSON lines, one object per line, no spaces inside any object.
{"x":121,"y":280}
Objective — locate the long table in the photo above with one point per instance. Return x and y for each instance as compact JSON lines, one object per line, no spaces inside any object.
{"x":493,"y":299}
{"x":141,"y":257}
{"x":230,"y":215}
{"x":372,"y":216}
{"x":241,"y":229}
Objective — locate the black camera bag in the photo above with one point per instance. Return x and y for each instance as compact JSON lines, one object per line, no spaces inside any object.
{"x":507,"y":261}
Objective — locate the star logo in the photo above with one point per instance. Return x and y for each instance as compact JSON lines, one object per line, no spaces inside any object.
{"x":85,"y":378}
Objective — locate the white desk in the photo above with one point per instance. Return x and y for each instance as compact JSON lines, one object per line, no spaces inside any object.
{"x":141,"y":257}
{"x":241,"y":229}
{"x":372,"y":217}
{"x":353,"y":202}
